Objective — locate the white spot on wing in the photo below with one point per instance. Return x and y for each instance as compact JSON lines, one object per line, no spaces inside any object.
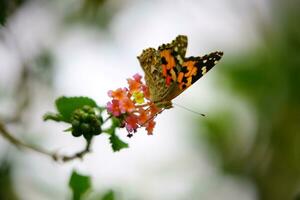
{"x":204,"y":70}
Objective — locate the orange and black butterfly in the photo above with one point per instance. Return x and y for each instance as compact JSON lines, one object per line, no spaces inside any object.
{"x":168,"y":72}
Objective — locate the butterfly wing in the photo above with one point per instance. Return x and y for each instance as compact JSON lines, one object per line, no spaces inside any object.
{"x":150,"y":61}
{"x":157,"y":65}
{"x":168,"y":73}
{"x":177,"y":47}
{"x":192,"y":69}
{"x":172,"y":57}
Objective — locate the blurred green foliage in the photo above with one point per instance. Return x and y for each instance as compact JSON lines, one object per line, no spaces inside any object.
{"x":97,"y":13}
{"x":7,"y":8}
{"x":6,"y":183}
{"x":108,"y":196}
{"x":267,"y":78}
{"x":42,"y":67}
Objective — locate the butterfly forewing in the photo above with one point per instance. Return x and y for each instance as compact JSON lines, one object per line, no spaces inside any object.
{"x":177,"y":48}
{"x":172,"y":57}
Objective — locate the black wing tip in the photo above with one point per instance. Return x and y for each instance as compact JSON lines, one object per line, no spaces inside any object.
{"x":219,"y":53}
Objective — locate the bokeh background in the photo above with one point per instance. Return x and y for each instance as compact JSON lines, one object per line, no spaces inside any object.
{"x":246,"y":148}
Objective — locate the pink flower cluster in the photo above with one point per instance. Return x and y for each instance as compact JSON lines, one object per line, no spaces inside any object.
{"x":133,"y":106}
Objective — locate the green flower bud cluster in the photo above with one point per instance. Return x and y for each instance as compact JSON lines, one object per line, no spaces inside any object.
{"x":86,"y":122}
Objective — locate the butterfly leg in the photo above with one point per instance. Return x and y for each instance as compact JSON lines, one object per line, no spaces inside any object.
{"x":164,"y":104}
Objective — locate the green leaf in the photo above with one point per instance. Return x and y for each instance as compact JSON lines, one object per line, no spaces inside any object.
{"x":115,"y":123}
{"x":110,"y":195}
{"x":67,"y":105}
{"x":116,"y":143}
{"x":79,"y":184}
{"x":70,"y":129}
{"x":53,"y":117}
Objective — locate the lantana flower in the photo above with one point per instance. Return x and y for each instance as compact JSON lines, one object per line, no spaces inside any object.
{"x":133,"y":106}
{"x":138,"y":97}
{"x":113,"y":107}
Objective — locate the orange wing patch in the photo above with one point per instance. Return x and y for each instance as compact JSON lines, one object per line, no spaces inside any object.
{"x":168,"y":66}
{"x":191,"y":68}
{"x":185,"y":77}
{"x":194,"y":68}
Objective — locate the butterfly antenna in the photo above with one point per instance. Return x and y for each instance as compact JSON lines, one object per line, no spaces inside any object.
{"x":185,"y":108}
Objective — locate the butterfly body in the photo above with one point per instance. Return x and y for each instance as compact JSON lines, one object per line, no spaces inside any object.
{"x":168,"y":72}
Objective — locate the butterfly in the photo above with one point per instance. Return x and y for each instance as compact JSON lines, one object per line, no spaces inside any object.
{"x":168,"y":72}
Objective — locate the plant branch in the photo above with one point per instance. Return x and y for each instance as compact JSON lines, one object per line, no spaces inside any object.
{"x":80,"y":154}
{"x":18,"y":143}
{"x":22,"y":94}
{"x":55,"y":156}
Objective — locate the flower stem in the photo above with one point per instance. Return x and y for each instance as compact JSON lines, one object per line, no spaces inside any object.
{"x":110,"y":116}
